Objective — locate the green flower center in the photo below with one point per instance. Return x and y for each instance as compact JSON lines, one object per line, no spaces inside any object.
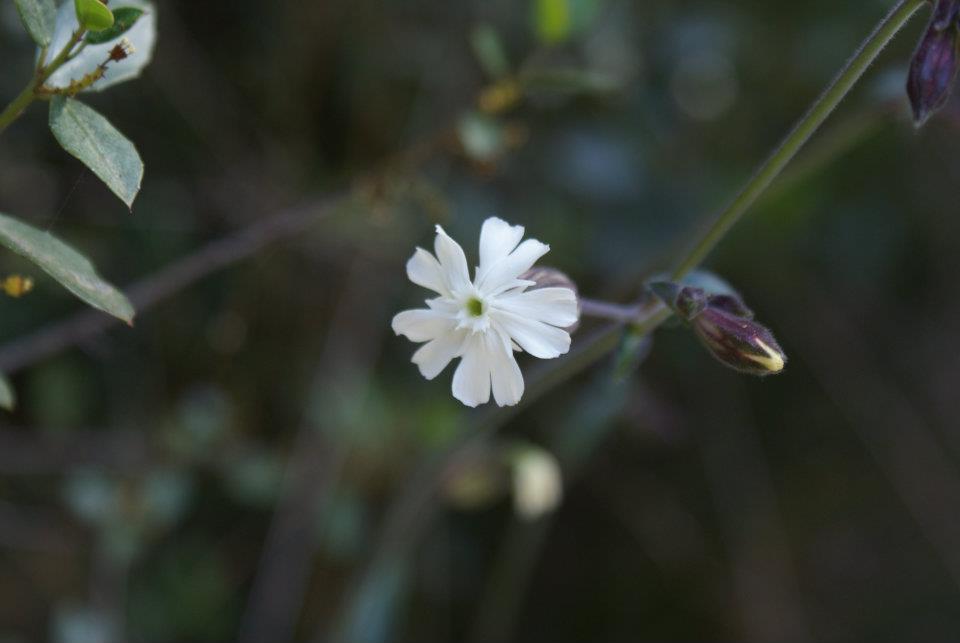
{"x":475,"y":307}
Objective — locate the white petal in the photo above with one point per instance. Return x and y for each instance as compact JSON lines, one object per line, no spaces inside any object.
{"x":504,"y":371}
{"x":497,"y":239}
{"x":539,"y":339}
{"x":453,"y":261}
{"x":422,"y":324}
{"x":505,"y":271}
{"x":142,"y":36}
{"x":424,"y":270}
{"x":554,"y":306}
{"x":434,"y":356}
{"x":471,"y":381}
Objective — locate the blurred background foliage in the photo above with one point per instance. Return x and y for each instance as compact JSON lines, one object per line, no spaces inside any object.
{"x":258,"y":460}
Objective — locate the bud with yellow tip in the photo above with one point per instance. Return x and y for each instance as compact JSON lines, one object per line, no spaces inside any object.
{"x":725,"y":326}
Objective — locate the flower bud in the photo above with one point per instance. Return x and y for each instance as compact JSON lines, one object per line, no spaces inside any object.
{"x":686,"y":301}
{"x":934,"y":64}
{"x":739,"y":342}
{"x":724,"y":324}
{"x":537,"y":482}
{"x":93,"y":15}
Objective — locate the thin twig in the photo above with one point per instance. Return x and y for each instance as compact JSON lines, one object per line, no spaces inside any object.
{"x":166,"y":282}
{"x":313,"y":469}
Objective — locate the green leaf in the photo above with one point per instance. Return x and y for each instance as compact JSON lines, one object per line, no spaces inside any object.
{"x":552,"y":20}
{"x":39,"y":17}
{"x":556,"y":21}
{"x":66,"y":265}
{"x":124,"y":19}
{"x":92,"y":139}
{"x":489,"y":50}
{"x":8,"y":398}
{"x":93,"y":15}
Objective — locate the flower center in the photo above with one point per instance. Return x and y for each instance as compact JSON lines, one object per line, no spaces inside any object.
{"x":475,"y":307}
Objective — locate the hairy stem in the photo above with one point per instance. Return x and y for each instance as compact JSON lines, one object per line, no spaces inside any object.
{"x":608,"y":310}
{"x":18,"y":105}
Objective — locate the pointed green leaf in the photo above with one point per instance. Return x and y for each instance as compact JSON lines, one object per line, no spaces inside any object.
{"x":93,"y":15}
{"x":39,"y":17}
{"x":489,"y":50}
{"x":66,"y":265}
{"x":92,"y":139}
{"x":124,"y":19}
{"x":8,"y":398}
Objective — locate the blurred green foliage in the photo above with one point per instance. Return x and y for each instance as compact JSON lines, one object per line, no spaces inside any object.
{"x":248,"y":439}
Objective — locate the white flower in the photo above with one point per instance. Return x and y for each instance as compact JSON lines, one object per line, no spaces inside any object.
{"x":484,"y":321}
{"x":537,"y":483}
{"x":141,"y":36}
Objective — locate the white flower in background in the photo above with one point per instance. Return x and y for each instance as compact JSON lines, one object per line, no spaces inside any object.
{"x":537,"y":483}
{"x":484,"y":321}
{"x":142,"y":36}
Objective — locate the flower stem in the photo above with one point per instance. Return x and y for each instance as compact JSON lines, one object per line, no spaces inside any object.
{"x":18,"y":105}
{"x":608,"y":310}
{"x":814,"y":118}
{"x":30,"y":93}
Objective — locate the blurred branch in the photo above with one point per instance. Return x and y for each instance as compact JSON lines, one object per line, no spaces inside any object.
{"x":739,"y":480}
{"x":32,"y":453}
{"x":413,"y":508}
{"x":314,"y":467}
{"x":166,"y":282}
{"x":23,"y":529}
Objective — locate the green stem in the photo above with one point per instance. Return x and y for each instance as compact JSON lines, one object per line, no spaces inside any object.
{"x":803,"y":130}
{"x":19,"y":105}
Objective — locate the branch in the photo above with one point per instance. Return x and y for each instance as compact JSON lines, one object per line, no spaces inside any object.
{"x":166,"y":282}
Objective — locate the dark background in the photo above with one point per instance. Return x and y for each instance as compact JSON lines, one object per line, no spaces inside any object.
{"x":257,"y":459}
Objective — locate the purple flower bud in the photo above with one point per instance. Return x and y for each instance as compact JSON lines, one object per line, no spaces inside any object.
{"x":740,"y":343}
{"x":724,"y":324}
{"x":934,"y":64}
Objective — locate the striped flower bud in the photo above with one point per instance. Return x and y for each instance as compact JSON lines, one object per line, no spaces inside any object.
{"x":724,"y":325}
{"x":739,"y":342}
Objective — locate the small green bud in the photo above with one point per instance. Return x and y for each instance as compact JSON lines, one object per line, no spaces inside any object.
{"x":93,"y":15}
